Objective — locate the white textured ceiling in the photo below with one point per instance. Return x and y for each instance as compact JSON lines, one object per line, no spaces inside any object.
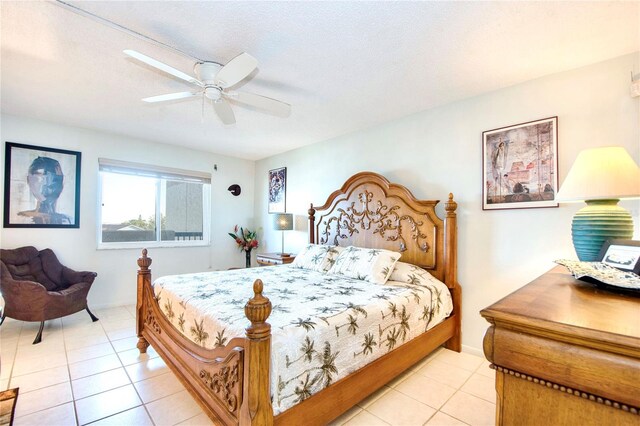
{"x":344,"y":66}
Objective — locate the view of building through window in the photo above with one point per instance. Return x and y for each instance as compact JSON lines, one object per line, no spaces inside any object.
{"x":134,"y":205}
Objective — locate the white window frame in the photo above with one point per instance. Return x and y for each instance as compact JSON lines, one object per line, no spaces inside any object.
{"x":159,"y":172}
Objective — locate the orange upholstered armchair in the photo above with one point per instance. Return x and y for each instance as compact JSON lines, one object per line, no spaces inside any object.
{"x":37,"y":287}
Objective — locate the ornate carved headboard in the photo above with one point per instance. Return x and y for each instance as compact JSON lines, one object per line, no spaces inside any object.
{"x":369,"y":211}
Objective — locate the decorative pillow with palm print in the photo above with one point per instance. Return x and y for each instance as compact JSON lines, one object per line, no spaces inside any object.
{"x":407,"y":273}
{"x":317,"y":257}
{"x":373,"y":265}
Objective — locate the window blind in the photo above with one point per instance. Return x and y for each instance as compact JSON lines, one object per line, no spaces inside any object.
{"x":148,"y":170}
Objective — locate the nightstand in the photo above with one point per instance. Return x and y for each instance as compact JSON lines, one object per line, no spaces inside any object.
{"x":270,"y":259}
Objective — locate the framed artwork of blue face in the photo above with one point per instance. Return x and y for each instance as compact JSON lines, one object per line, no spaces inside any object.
{"x":41,"y":187}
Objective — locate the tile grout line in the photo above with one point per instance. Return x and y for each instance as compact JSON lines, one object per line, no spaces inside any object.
{"x":192,"y":417}
{"x":73,"y":400}
{"x":438,"y":410}
{"x":53,"y":406}
{"x":377,"y":417}
{"x":15,"y":354}
{"x":457,"y":389}
{"x":413,"y":372}
{"x":466,"y":381}
{"x":119,"y":387}
{"x":70,"y":381}
{"x":44,"y":409}
{"x":75,"y":408}
{"x":476,"y":396}
{"x":430,"y":417}
{"x":460,"y":390}
{"x":144,"y":404}
{"x":113,"y":414}
{"x":448,"y":415}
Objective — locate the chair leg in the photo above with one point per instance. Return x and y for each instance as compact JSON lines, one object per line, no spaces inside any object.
{"x":2,"y":319}
{"x":39,"y":335}
{"x":93,"y":317}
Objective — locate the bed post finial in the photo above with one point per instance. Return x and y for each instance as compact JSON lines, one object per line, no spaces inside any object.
{"x":312,"y":227}
{"x":144,"y":262}
{"x":257,"y":310}
{"x":256,"y":406}
{"x":450,"y":206}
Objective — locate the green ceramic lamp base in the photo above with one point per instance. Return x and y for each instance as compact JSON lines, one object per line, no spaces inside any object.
{"x":599,"y":221}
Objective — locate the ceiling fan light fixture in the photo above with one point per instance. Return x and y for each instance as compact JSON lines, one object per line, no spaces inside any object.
{"x":212,"y":92}
{"x":206,"y":71}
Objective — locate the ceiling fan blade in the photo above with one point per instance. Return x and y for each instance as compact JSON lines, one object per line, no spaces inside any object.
{"x":170,"y":97}
{"x":224,"y":111}
{"x":162,"y":67}
{"x":236,"y":69}
{"x":269,"y":105}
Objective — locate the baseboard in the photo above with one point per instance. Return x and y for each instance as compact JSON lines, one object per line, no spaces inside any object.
{"x":97,"y":307}
{"x":473,"y":351}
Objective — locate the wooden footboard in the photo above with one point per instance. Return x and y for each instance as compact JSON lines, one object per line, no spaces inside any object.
{"x":231,"y":383}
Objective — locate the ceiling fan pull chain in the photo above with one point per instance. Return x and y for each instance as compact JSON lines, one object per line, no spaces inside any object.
{"x":202,"y":115}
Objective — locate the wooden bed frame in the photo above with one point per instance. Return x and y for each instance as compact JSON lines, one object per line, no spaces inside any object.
{"x":231,"y":383}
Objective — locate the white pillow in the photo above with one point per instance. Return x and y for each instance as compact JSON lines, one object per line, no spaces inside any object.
{"x":316,"y":257}
{"x":407,"y":273}
{"x":374,"y":265}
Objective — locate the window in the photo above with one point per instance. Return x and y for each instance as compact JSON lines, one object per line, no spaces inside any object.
{"x":156,"y":206}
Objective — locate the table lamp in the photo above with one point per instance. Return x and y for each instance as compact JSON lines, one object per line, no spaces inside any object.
{"x":283,"y":222}
{"x":600,"y":177}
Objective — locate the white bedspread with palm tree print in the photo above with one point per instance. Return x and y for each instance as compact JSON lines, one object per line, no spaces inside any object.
{"x":323,"y":326}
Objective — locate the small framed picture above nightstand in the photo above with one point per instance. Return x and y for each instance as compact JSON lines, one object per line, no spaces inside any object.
{"x":270,"y":259}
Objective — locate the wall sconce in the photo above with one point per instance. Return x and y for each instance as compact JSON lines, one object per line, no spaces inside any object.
{"x":235,"y":189}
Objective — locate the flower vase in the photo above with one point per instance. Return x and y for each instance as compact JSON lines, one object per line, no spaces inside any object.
{"x":248,"y":258}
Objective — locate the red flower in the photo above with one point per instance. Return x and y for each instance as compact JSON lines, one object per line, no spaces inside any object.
{"x":245,"y":239}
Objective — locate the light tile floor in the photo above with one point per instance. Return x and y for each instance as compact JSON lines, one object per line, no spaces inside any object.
{"x":91,"y":373}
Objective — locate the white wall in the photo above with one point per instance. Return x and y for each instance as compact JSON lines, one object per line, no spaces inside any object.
{"x":76,"y":248}
{"x":440,"y":151}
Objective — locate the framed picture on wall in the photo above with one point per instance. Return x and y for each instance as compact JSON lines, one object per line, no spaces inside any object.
{"x":278,"y":190}
{"x":41,"y":187}
{"x":520,"y":165}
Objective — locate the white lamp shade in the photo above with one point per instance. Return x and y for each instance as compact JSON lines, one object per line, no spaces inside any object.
{"x":600,"y":174}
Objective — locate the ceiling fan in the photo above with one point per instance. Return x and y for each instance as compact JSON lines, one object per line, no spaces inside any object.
{"x":213,"y":81}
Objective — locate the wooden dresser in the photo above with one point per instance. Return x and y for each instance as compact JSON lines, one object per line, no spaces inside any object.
{"x":269,"y":259}
{"x":565,"y":353}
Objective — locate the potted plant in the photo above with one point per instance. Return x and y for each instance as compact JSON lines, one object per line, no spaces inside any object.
{"x":246,"y":240}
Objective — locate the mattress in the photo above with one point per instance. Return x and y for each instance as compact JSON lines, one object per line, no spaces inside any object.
{"x":323,"y":326}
